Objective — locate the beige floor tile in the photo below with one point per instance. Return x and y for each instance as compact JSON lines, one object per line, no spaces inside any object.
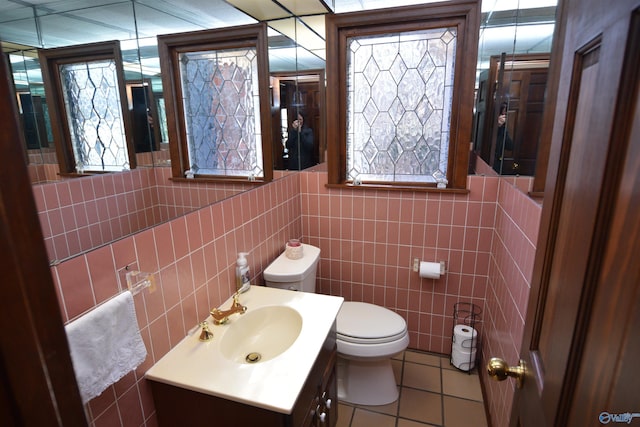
{"x":420,"y":405}
{"x":461,"y":384}
{"x":423,"y":358}
{"x":445,"y":363}
{"x":363,"y":418}
{"x":429,"y":383}
{"x":345,"y":413}
{"x":463,"y":413}
{"x":409,"y":423}
{"x":390,"y":409}
{"x":423,"y":377}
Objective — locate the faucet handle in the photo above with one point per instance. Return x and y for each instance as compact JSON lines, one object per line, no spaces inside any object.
{"x":206,"y":334}
{"x":236,"y":303}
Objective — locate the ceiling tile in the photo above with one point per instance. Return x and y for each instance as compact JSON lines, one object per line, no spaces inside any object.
{"x":260,"y":10}
{"x":304,"y":7}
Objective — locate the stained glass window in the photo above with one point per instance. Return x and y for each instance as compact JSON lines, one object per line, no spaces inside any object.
{"x":92,"y":100}
{"x":399,"y":100}
{"x":221,"y":105}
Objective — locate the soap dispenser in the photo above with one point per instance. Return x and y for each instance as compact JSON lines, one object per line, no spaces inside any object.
{"x":242,"y":273}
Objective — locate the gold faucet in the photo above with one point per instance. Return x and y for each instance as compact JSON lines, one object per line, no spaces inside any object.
{"x":222,"y":316}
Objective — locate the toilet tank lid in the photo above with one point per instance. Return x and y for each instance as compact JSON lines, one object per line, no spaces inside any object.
{"x":284,"y":269}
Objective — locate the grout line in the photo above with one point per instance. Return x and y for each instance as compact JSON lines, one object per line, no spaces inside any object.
{"x":401,"y":385}
{"x":442,"y":394}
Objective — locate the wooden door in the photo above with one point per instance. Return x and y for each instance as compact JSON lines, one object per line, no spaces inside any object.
{"x":526,"y":89}
{"x":520,"y":81}
{"x":144,"y":117}
{"x":308,"y":90}
{"x":304,"y":96}
{"x":580,"y":345}
{"x":479,"y":118}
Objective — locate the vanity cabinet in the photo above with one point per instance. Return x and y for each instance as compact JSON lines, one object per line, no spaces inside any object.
{"x":315,"y":406}
{"x":324,"y":412}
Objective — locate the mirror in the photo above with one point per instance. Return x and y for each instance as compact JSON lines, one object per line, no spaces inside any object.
{"x":298,"y":117}
{"x":32,"y":104}
{"x":135,"y":24}
{"x":513,"y":62}
{"x":296,"y":42}
{"x":296,"y":50}
{"x":297,"y":93}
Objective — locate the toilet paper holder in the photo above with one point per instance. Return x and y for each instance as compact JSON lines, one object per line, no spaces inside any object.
{"x":429,"y":270}
{"x":416,"y":266}
{"x":467,"y":318}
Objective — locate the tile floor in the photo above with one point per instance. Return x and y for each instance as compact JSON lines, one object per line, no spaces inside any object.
{"x":432,"y":393}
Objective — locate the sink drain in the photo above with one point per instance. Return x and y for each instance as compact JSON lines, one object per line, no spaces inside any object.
{"x":253,"y":357}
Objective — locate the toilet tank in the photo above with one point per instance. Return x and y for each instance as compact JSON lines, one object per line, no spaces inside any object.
{"x":294,"y":274}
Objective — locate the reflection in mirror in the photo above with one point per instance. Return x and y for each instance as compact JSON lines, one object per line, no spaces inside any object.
{"x":32,"y":105}
{"x":513,"y":60}
{"x":298,"y":98}
{"x":110,"y":206}
{"x":518,"y":84}
{"x":144,"y":116}
{"x":297,"y":101}
{"x":293,"y":47}
{"x":85,"y":85}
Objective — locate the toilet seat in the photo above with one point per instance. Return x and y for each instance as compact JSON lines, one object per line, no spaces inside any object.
{"x":364,"y":323}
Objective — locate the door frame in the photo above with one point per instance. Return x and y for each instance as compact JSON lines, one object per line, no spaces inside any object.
{"x":38,"y":381}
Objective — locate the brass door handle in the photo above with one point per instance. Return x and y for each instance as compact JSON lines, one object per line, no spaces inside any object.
{"x":499,"y":370}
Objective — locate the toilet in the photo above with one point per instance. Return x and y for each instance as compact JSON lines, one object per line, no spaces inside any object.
{"x":367,"y":335}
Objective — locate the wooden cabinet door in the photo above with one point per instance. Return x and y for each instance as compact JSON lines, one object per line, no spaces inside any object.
{"x":580,"y":346}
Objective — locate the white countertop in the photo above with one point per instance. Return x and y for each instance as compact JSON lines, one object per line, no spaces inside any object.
{"x":272,"y":384}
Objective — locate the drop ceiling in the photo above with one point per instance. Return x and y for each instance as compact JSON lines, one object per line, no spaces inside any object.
{"x":69,"y":22}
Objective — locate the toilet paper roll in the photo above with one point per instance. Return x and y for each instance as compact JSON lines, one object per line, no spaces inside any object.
{"x":464,"y":336}
{"x":430,"y":270}
{"x":463,"y":360}
{"x":293,"y":249}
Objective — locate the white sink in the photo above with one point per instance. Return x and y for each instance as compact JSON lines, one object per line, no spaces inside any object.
{"x":285,"y":328}
{"x":261,"y":334}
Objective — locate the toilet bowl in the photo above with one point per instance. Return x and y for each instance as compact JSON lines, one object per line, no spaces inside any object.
{"x":367,"y":335}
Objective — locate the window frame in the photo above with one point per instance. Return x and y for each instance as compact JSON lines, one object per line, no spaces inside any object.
{"x":462,"y":14}
{"x":50,"y":60}
{"x":170,"y":46}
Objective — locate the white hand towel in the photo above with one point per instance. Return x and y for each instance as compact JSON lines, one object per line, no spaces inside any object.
{"x":105,"y":345}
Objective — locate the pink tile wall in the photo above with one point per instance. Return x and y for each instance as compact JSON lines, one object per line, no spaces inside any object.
{"x":193,"y":259}
{"x":42,"y":173}
{"x":369,"y":238}
{"x":483,"y":168}
{"x":177,"y":198}
{"x":510,"y":270}
{"x":77,"y":215}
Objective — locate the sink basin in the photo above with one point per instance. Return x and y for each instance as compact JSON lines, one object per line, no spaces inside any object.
{"x":287,"y":329}
{"x":261,"y":334}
